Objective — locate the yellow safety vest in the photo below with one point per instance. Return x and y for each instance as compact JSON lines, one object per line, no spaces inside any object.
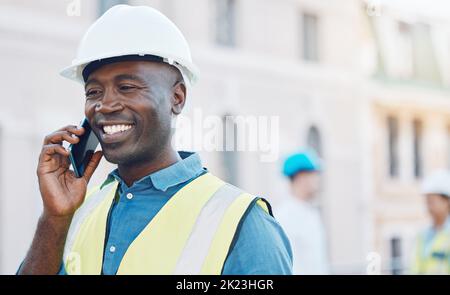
{"x":191,"y":234}
{"x":436,"y":259}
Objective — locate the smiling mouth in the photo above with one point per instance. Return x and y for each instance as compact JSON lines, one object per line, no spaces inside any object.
{"x":116,"y":132}
{"x":113,"y":129}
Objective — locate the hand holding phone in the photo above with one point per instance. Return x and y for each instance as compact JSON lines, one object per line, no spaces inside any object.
{"x":81,"y":152}
{"x":62,"y":192}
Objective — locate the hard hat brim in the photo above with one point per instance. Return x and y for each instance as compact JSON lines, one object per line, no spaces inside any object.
{"x":74,"y":72}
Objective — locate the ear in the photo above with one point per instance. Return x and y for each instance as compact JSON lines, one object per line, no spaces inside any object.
{"x":178,"y":97}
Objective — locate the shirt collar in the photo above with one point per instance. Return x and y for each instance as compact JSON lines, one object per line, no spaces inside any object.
{"x":187,"y":168}
{"x":431,"y":231}
{"x":447,"y":224}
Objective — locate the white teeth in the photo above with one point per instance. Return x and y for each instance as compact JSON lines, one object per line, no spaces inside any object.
{"x":112,"y":129}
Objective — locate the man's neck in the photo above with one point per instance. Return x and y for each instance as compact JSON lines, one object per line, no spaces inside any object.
{"x":301,"y":195}
{"x":132,"y":173}
{"x":439,"y":222}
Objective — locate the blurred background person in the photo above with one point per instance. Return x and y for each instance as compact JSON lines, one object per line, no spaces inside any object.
{"x":432,"y":253}
{"x":300,"y":218}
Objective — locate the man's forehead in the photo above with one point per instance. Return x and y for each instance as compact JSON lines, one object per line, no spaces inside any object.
{"x":135,"y":70}
{"x":129,"y":67}
{"x":95,"y":65}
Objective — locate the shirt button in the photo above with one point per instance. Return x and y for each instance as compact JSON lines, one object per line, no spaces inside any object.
{"x":112,"y":249}
{"x":129,"y":196}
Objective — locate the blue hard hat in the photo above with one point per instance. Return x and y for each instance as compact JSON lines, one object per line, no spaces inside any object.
{"x":299,"y":162}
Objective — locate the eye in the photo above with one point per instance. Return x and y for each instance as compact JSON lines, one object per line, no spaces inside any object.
{"x":91,"y":93}
{"x":127,"y":87}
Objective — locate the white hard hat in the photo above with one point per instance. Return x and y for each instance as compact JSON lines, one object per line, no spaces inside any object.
{"x":437,"y":183}
{"x":133,"y":30}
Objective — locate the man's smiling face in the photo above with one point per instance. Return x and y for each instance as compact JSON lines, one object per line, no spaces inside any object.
{"x":130,"y":105}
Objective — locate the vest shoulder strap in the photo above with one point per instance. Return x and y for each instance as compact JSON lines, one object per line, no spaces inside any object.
{"x":93,"y":199}
{"x":206,"y":230}
{"x":216,"y":229}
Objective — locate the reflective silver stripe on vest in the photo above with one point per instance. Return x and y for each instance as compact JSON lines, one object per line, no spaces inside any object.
{"x":198,"y":244}
{"x":80,"y":215}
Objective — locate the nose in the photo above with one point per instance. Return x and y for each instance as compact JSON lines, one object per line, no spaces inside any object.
{"x":109,"y":104}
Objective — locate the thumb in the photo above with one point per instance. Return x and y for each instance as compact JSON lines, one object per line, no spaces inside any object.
{"x":92,"y":165}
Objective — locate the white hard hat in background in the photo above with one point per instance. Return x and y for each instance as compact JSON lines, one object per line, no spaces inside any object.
{"x":133,"y":30}
{"x":437,"y":183}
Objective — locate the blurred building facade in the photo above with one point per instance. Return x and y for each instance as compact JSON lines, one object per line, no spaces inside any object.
{"x":366,"y":86}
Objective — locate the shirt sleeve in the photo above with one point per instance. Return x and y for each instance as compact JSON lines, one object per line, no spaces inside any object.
{"x":62,"y":270}
{"x":18,"y":270}
{"x":261,"y":247}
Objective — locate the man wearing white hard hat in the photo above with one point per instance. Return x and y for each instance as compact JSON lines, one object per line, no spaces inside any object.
{"x":160,"y":211}
{"x":432,"y":253}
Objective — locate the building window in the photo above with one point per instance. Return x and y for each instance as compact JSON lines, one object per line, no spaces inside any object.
{"x":314,"y":141}
{"x":417,"y":148}
{"x":396,"y":255}
{"x":230,"y":155}
{"x":225,"y":22}
{"x":104,"y":5}
{"x":416,"y":58}
{"x":393,"y":146}
{"x":310,"y":33}
{"x":405,"y":45}
{"x":425,"y":62}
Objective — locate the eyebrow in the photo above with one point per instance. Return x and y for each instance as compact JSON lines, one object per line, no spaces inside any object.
{"x":90,"y":81}
{"x":129,"y":77}
{"x":117,"y":78}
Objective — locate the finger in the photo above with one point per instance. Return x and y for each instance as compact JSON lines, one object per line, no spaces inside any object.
{"x":92,"y":165}
{"x":77,"y":130}
{"x":71,"y":129}
{"x":58,"y":137}
{"x":48,"y":151}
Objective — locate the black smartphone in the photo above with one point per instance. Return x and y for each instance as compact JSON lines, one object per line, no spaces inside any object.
{"x":81,"y":153}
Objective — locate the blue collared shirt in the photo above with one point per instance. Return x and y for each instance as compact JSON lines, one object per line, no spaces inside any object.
{"x":261,"y":246}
